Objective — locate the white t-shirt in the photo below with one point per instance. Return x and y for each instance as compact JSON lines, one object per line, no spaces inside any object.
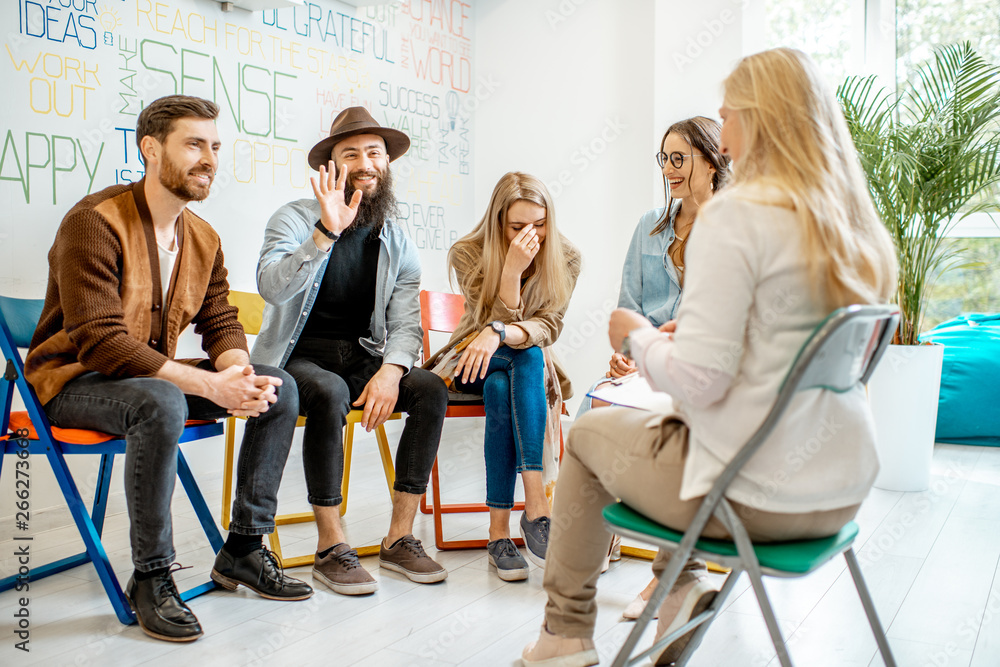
{"x":747,"y":310}
{"x":167,"y":259}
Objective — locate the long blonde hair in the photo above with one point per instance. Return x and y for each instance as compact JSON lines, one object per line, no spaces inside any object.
{"x":477,"y":258}
{"x":795,"y":140}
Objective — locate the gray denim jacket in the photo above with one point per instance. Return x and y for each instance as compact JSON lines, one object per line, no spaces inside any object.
{"x":290,"y":271}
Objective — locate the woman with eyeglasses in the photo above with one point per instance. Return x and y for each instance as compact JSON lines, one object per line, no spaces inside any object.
{"x":693,"y":169}
{"x":793,"y":237}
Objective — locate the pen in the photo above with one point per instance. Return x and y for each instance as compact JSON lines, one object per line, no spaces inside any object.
{"x":623,"y":379}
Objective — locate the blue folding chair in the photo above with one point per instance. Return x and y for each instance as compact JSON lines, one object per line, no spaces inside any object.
{"x":840,"y":355}
{"x":30,"y":431}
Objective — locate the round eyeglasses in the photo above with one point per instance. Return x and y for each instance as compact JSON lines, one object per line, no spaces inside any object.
{"x":676,"y":159}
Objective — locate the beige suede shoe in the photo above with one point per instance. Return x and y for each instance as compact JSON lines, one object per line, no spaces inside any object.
{"x":687,"y":599}
{"x":551,"y":650}
{"x":635,"y":608}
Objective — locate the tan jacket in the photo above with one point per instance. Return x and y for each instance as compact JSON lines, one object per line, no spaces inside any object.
{"x":543,"y":327}
{"x":104,"y":310}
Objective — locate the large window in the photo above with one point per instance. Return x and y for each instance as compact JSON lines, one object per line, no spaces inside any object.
{"x":822,"y":28}
{"x":968,"y":289}
{"x":834,"y":34}
{"x":921,"y":25}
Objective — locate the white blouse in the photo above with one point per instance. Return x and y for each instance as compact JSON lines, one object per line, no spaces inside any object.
{"x":747,"y":310}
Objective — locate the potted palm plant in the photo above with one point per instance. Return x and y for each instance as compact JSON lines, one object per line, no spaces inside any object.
{"x":931,"y":152}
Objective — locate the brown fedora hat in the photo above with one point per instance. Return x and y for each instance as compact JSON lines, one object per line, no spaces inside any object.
{"x":352,"y":121}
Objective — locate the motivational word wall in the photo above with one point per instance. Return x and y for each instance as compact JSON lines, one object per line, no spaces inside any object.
{"x":76,"y":73}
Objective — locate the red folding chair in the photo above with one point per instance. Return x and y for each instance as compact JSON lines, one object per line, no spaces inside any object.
{"x":440,"y":312}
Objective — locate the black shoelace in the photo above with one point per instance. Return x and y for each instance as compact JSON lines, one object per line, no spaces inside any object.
{"x":270,"y":567}
{"x":507,"y":548}
{"x":165,"y":585}
{"x":544,"y":524}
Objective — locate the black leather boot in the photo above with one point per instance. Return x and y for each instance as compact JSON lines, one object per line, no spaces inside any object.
{"x":259,"y":572}
{"x":159,"y":608}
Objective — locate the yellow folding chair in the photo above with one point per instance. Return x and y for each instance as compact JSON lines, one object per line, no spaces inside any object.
{"x":251,"y":316}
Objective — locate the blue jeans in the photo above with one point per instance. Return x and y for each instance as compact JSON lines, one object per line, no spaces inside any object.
{"x":150,"y":414}
{"x":514,"y":396}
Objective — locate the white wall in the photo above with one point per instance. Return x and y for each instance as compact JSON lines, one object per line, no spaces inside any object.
{"x":574,"y":106}
{"x":76,"y":74}
{"x":583,"y":93}
{"x":577,"y":92}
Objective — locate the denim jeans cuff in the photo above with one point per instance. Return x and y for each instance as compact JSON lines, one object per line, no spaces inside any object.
{"x":415,"y":489}
{"x":325,"y":502}
{"x":499,"y":506}
{"x":533,"y":467}
{"x":250,"y":530}
{"x":157,"y":564}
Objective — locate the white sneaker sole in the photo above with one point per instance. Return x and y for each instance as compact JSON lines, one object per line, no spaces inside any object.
{"x":581,"y":659}
{"x":345,"y":589}
{"x":520,"y":574}
{"x":539,"y":562}
{"x":417,"y":577}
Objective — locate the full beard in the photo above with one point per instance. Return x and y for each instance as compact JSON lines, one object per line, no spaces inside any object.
{"x":176,"y":181}
{"x":375,"y":207}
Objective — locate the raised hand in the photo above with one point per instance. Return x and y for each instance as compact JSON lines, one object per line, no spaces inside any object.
{"x":336,"y":214}
{"x":522,"y":251}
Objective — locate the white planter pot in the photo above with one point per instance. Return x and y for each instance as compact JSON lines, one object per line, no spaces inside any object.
{"x":903,"y":393}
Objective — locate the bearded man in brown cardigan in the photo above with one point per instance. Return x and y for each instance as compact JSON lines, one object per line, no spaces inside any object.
{"x":129,"y":269}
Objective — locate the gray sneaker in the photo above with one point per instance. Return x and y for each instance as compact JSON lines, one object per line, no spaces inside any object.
{"x":536,"y":538}
{"x":508,"y":561}
{"x":341,"y":571}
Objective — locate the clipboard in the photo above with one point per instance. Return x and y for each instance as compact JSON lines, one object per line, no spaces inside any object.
{"x":632,"y":391}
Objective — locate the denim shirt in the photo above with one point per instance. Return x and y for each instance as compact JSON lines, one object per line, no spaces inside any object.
{"x":649,"y":277}
{"x":289,"y":274}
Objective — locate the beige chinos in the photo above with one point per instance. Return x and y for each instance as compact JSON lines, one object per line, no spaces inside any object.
{"x":612,"y":454}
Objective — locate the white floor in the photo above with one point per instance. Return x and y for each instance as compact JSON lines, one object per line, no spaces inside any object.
{"x":930,"y":559}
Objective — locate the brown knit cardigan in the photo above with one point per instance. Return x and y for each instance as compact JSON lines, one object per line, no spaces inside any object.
{"x":104,"y":310}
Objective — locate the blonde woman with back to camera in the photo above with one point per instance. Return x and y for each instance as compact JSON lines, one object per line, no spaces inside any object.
{"x":793,"y":237}
{"x":517,"y":273}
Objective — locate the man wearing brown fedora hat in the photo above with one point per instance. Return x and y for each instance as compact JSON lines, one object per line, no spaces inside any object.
{"x":342,"y":282}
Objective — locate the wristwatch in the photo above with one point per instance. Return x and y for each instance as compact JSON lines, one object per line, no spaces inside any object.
{"x":326,"y":232}
{"x":499,"y":328}
{"x":626,"y":349}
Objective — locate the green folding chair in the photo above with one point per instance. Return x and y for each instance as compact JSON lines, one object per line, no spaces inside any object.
{"x":840,"y":354}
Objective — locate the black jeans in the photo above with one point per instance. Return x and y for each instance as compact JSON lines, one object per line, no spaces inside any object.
{"x":150,"y":414}
{"x":330,"y":375}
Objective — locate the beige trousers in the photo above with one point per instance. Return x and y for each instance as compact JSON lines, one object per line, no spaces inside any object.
{"x":611,"y":454}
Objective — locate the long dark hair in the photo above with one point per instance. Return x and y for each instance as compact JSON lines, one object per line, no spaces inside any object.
{"x":703,"y":134}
